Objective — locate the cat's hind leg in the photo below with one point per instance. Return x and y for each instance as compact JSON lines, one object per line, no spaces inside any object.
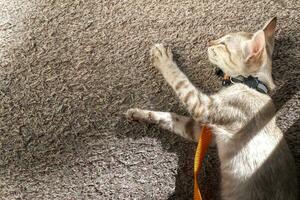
{"x":181,"y":125}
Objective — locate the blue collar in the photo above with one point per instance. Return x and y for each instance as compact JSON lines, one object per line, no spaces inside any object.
{"x":250,"y":81}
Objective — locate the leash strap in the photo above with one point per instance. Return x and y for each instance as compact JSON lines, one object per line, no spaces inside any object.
{"x":203,"y":143}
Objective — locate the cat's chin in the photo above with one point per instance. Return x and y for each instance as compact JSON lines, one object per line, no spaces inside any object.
{"x":219,"y":71}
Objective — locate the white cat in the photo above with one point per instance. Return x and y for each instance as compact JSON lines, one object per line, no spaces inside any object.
{"x":255,"y":160}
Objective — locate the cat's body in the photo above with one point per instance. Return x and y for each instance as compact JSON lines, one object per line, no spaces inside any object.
{"x":258,"y":164}
{"x":255,"y":160}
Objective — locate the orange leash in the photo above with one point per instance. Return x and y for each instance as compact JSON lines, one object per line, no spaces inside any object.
{"x":203,"y":143}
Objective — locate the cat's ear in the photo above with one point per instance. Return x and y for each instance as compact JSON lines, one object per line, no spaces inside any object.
{"x":255,"y":46}
{"x":269,"y":28}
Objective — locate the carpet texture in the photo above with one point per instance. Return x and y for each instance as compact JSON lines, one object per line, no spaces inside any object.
{"x":70,"y":69}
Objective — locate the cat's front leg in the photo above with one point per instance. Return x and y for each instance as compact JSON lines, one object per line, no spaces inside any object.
{"x":196,"y":102}
{"x":180,"y":125}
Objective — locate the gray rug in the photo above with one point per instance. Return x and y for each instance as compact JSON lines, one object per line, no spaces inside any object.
{"x":69,"y":69}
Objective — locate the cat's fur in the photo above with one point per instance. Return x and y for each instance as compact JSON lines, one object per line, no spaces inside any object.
{"x":255,"y":160}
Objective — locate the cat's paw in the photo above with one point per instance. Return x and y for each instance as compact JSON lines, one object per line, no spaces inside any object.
{"x":133,"y":114}
{"x":161,"y":56}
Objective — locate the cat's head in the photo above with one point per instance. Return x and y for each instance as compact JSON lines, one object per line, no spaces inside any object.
{"x":245,"y":53}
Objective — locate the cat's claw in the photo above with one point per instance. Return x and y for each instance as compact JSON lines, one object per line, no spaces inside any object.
{"x":161,"y":56}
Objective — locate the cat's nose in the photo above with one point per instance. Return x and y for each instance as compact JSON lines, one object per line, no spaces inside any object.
{"x":211,"y":42}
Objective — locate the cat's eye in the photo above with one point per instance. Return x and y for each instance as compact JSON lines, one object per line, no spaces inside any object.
{"x":222,"y":43}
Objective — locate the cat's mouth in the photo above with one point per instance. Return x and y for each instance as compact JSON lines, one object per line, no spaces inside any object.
{"x":219,"y":72}
{"x":226,"y":79}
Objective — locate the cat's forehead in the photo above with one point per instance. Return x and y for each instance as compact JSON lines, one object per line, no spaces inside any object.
{"x":239,"y":36}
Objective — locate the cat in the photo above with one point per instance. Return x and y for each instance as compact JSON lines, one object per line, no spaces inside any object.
{"x":255,"y":160}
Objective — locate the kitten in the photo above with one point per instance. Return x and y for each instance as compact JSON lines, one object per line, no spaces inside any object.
{"x":255,"y":160}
